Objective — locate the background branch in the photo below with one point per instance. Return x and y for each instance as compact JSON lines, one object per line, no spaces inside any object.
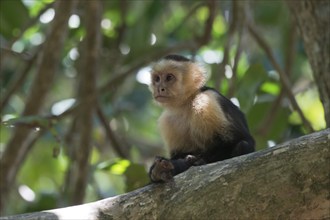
{"x":229,"y":38}
{"x":313,"y":19}
{"x":17,"y":147}
{"x":110,"y":134}
{"x":87,"y":96}
{"x":276,"y":105}
{"x":23,"y":30}
{"x":18,"y":81}
{"x":283,"y":76}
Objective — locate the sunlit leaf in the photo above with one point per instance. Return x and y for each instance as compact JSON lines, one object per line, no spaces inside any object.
{"x":36,"y":6}
{"x":243,"y":65}
{"x":271,"y":88}
{"x":120,"y":167}
{"x":312,"y":108}
{"x":202,"y":13}
{"x":117,"y":166}
{"x":31,"y":31}
{"x":219,"y":26}
{"x":41,"y":164}
{"x":95,"y":157}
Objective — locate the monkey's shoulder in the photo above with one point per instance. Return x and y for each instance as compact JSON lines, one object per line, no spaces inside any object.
{"x":206,"y":106}
{"x":208,"y":116}
{"x":221,"y":106}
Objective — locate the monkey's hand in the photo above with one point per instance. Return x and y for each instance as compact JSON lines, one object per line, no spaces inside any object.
{"x":161,"y":170}
{"x":194,"y":160}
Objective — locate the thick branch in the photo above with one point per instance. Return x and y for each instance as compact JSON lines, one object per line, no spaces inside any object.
{"x":292,"y":178}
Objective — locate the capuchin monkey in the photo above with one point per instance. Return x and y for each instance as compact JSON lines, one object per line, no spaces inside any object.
{"x":199,"y":125}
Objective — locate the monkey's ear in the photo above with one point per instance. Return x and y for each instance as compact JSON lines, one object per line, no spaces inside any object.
{"x":200,"y":75}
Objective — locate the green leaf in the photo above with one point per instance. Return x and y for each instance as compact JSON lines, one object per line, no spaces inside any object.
{"x":120,"y":167}
{"x":117,"y":166}
{"x":312,"y":108}
{"x":269,"y":12}
{"x":275,"y":130}
{"x":219,"y":26}
{"x":38,"y":5}
{"x":136,"y":177}
{"x":271,"y":88}
{"x":13,"y":16}
{"x":249,"y":85}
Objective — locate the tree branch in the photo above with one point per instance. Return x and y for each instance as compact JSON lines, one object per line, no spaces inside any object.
{"x":292,"y":178}
{"x":283,"y":77}
{"x":313,"y":19}
{"x":123,"y":73}
{"x":206,"y":37}
{"x":17,"y":147}
{"x":87,"y":96}
{"x":110,"y":134}
{"x":16,"y":83}
{"x":187,"y":17}
{"x":264,"y":127}
{"x":229,"y":39}
{"x":30,"y":23}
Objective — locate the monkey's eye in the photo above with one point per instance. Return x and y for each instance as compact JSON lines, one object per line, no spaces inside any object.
{"x":169,"y":77}
{"x":156,"y":79}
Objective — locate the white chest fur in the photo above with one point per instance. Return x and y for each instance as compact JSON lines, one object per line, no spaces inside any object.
{"x":191,"y":127}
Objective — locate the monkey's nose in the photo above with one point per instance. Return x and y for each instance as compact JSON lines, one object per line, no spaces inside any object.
{"x":161,"y":90}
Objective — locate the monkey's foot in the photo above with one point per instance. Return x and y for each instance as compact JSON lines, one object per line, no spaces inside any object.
{"x":161,"y":170}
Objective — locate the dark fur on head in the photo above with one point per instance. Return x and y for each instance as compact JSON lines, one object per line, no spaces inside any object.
{"x":176,"y":57}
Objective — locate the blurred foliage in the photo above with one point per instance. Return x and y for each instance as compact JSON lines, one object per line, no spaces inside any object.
{"x":131,"y":31}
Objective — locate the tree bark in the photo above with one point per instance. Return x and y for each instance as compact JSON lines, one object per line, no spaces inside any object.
{"x":313,"y":19}
{"x":290,"y":181}
{"x":87,"y":98}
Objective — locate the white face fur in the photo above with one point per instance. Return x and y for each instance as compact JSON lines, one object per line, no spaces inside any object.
{"x":173,"y":82}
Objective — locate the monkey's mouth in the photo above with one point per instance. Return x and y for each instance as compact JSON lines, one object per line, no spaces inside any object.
{"x":160,"y":98}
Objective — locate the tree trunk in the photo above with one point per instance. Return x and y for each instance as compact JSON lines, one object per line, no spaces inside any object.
{"x":20,"y":143}
{"x":313,"y":19}
{"x":87,"y":97}
{"x":290,"y":181}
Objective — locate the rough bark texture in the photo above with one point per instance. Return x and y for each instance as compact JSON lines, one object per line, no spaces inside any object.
{"x":313,"y":19}
{"x":290,"y":181}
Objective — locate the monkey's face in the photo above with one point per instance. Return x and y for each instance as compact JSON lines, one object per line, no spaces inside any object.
{"x":166,"y":87}
{"x":173,"y":83}
{"x":167,"y":82}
